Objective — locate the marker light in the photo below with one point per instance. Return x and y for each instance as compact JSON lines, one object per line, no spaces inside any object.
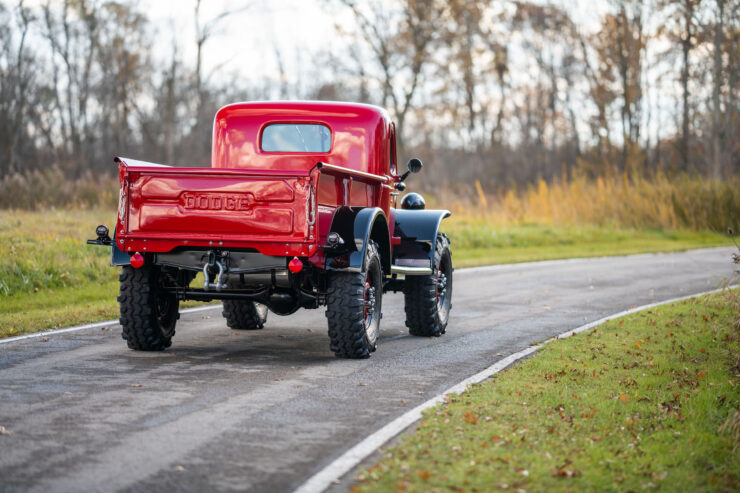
{"x":137,"y":260}
{"x":295,"y":265}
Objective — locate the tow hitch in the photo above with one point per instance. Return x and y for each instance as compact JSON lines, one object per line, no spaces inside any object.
{"x":214,"y":261}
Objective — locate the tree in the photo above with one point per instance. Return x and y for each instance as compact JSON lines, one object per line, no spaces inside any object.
{"x":399,"y":36}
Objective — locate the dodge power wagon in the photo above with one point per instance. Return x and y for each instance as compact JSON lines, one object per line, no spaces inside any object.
{"x":299,"y":209}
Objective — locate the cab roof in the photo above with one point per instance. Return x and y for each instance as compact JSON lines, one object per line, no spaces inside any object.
{"x":359,"y":132}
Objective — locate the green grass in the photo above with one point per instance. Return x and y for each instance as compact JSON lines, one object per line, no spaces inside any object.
{"x":636,"y":404}
{"x":50,"y":278}
{"x":58,"y":307}
{"x":475,"y":242}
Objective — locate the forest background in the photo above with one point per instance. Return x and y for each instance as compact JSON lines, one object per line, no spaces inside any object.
{"x":496,"y":97}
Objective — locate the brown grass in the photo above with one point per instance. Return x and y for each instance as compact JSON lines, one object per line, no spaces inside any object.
{"x":624,"y":200}
{"x":621,"y":200}
{"x":52,"y":188}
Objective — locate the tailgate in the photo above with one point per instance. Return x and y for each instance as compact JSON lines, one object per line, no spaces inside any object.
{"x":200,"y":206}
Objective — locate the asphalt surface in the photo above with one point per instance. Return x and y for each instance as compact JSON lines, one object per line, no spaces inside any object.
{"x":225,"y":410}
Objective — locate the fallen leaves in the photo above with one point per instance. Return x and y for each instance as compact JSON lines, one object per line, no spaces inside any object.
{"x":565,"y":471}
{"x":5,"y":431}
{"x":470,"y":418}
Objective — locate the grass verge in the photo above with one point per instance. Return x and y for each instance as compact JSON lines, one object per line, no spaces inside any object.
{"x":50,"y":278}
{"x":644,"y":402}
{"x":477,"y":242}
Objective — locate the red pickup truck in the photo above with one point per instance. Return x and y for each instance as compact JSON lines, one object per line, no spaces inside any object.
{"x":297,"y":210}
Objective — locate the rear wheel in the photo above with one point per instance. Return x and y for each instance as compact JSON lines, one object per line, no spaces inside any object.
{"x":428,"y":299}
{"x":148,"y":314}
{"x":244,"y":315}
{"x":354,"y":304}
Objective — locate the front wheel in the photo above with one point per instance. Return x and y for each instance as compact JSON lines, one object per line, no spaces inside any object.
{"x":428,"y":299}
{"x":354,"y":304}
{"x":148,"y":314}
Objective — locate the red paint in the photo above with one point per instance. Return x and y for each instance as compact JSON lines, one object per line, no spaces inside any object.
{"x":137,"y":260}
{"x":279,"y":203}
{"x":295,"y":265}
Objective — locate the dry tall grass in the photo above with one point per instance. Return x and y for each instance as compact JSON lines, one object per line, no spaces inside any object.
{"x":52,"y":188}
{"x":621,"y":200}
{"x":634,"y":202}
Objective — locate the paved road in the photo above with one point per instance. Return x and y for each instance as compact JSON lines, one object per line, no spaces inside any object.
{"x":225,"y":410}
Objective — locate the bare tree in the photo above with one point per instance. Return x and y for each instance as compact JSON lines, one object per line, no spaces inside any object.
{"x":400,"y":41}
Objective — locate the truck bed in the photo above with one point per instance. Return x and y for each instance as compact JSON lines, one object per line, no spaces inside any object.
{"x":164,"y":207}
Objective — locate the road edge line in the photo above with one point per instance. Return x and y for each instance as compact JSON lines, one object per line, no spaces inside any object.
{"x":94,"y":325}
{"x":340,"y":466}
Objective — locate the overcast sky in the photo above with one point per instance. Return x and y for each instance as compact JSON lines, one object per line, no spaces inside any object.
{"x":246,"y":41}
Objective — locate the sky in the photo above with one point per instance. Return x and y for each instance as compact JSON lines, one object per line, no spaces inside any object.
{"x":246,"y":42}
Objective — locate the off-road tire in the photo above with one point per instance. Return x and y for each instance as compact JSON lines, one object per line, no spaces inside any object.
{"x":244,"y":315}
{"x":346,"y":301}
{"x":424,"y":315}
{"x":148,"y":317}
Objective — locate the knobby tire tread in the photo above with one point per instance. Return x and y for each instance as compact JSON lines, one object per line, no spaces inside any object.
{"x":345,"y":312}
{"x":141,"y":329}
{"x":420,"y":298}
{"x":242,"y":315}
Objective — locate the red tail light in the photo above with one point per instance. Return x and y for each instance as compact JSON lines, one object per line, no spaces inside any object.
{"x":295,"y":265}
{"x":137,"y":260}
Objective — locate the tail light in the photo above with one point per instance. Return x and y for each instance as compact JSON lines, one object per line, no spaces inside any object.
{"x":137,"y":260}
{"x":295,"y":265}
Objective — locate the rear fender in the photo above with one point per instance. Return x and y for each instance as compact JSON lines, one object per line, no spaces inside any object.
{"x":357,"y":226}
{"x":418,"y":231}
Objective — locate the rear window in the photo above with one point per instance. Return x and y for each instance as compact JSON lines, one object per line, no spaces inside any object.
{"x":296,"y":137}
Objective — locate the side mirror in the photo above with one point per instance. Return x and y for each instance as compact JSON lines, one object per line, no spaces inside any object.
{"x":415,"y":165}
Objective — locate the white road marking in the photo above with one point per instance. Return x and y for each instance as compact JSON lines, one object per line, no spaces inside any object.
{"x":351,"y":458}
{"x":92,"y":326}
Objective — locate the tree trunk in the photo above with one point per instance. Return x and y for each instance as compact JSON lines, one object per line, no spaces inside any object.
{"x":686,"y":49}
{"x":716,"y":111}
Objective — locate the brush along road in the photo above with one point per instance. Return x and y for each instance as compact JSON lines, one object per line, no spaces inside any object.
{"x":237,"y":410}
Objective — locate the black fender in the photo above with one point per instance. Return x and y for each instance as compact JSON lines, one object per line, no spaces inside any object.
{"x":356,"y":226}
{"x":418,"y":231}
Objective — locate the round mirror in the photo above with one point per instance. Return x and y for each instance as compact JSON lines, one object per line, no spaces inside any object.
{"x":415,"y":165}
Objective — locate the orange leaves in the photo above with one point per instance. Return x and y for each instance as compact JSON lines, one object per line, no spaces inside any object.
{"x":470,"y":418}
{"x":623,"y":398}
{"x":565,"y":471}
{"x":423,"y":474}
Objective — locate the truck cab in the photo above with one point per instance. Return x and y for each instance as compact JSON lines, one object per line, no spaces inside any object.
{"x":298,"y":209}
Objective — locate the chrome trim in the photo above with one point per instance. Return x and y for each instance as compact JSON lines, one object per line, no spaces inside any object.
{"x":411,"y":271}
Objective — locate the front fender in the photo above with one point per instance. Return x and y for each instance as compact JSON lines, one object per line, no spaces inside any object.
{"x":418,"y":231}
